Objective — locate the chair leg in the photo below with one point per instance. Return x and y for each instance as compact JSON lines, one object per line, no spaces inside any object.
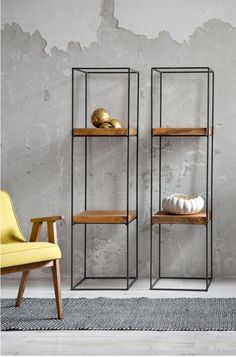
{"x":22,"y":286}
{"x":57,"y":287}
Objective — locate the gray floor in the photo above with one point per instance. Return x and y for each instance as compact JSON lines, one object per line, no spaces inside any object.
{"x":117,"y":342}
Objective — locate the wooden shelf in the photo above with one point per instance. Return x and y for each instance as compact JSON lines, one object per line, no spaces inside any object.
{"x":105,"y":216}
{"x":162,"y":217}
{"x":181,"y":131}
{"x":104,"y":132}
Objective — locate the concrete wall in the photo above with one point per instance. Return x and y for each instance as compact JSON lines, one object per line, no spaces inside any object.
{"x":36,"y":119}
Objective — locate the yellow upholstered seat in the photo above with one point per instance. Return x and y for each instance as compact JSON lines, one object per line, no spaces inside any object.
{"x":9,"y":225}
{"x":25,"y":253}
{"x":19,"y":255}
{"x":14,"y":248}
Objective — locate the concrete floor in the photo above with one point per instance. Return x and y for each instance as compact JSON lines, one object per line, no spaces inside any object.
{"x":117,"y":342}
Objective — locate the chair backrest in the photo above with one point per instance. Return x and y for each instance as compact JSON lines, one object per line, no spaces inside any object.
{"x":9,"y":226}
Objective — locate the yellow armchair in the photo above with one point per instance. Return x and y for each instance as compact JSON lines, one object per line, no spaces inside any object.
{"x":19,"y":255}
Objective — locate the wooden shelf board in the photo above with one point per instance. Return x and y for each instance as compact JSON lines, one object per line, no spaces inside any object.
{"x":104,"y":216}
{"x":181,"y":131}
{"x":162,"y":217}
{"x":104,"y":132}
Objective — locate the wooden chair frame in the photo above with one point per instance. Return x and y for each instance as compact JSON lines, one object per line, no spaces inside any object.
{"x":54,"y":264}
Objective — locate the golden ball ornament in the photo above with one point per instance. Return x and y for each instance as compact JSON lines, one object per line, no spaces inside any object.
{"x":115,"y":123}
{"x":106,"y":125}
{"x":100,"y":116}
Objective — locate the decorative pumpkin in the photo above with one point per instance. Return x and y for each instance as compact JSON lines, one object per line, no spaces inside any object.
{"x":182,"y":204}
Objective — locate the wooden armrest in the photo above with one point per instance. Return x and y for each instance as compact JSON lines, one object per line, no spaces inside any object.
{"x":52,"y":229}
{"x":46,"y":219}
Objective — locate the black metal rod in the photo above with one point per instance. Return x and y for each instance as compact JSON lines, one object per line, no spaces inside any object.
{"x":151,"y":180}
{"x":182,"y":289}
{"x":85,"y":173}
{"x":109,"y":277}
{"x":207,"y":163}
{"x":72,"y":177}
{"x":73,"y":287}
{"x":207,"y":267}
{"x":209,"y":283}
{"x":180,"y":136}
{"x":178,"y":289}
{"x":179,"y":68}
{"x":185,"y":277}
{"x":110,"y":72}
{"x":137,"y":173}
{"x":128,"y":147}
{"x":208,"y":100}
{"x":87,"y":69}
{"x":79,"y":287}
{"x":103,"y":136}
{"x":212,"y":168}
{"x":154,"y":283}
{"x":182,"y":69}
{"x":99,"y":289}
{"x":160,"y":177}
{"x":181,"y":72}
{"x":79,"y":70}
{"x":104,"y":223}
{"x":133,"y":71}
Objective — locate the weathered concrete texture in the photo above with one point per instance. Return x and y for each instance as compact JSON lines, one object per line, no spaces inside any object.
{"x":36,"y":129}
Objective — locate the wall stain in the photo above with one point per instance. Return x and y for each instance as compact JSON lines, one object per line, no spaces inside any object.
{"x":47,"y":95}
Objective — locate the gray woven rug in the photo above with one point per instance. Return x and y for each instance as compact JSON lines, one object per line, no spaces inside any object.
{"x":178,"y":314}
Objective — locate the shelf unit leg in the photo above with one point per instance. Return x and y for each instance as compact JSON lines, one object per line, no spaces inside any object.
{"x":137,"y":173}
{"x":127,"y":251}
{"x":207,"y":267}
{"x":85,"y":251}
{"x":159,"y":252}
{"x":72,"y":180}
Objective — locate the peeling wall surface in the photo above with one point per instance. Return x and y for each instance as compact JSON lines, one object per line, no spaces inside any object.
{"x":36,"y":139}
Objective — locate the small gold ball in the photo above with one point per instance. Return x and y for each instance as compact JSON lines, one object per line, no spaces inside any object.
{"x":115,"y":123}
{"x":106,"y":125}
{"x":100,"y":116}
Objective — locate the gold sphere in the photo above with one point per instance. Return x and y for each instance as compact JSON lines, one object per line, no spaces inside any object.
{"x":115,"y":123}
{"x":106,"y":125}
{"x":100,"y":116}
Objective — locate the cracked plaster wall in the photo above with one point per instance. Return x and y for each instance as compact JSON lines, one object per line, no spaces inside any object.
{"x":36,"y":128}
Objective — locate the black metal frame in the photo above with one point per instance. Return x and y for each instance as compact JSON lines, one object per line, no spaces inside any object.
{"x":210,"y":81}
{"x":129,"y":279}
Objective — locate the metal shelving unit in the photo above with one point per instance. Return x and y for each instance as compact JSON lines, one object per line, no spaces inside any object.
{"x":203,"y":218}
{"x":125,"y":216}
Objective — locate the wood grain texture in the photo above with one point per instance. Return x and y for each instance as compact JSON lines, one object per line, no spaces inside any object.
{"x":26,"y":267}
{"x":24,"y":279}
{"x":105,"y":216}
{"x":162,"y":217}
{"x":104,"y":132}
{"x":35,"y":232}
{"x":57,"y":287}
{"x":52,"y":232}
{"x":181,"y":131}
{"x":46,"y":219}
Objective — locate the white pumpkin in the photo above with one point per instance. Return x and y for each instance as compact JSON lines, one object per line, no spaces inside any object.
{"x":182,"y":204}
